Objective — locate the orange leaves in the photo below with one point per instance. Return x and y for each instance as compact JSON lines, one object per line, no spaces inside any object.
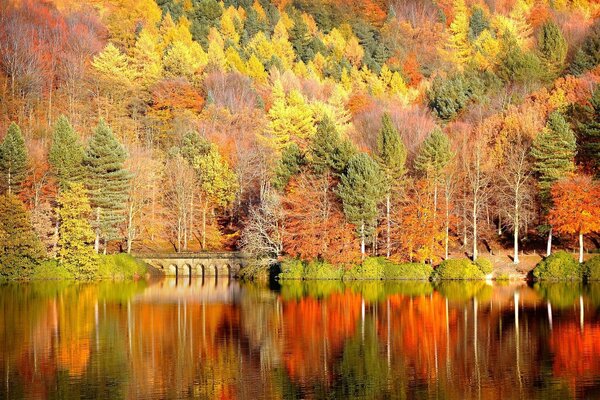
{"x":314,"y":223}
{"x":576,"y":205}
{"x":176,"y":94}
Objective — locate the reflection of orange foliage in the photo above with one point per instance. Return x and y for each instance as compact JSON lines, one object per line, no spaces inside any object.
{"x":420,"y":331}
{"x":315,"y":331}
{"x":73,"y":356}
{"x":576,"y":353}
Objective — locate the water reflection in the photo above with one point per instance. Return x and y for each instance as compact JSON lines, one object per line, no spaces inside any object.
{"x":211,"y":338}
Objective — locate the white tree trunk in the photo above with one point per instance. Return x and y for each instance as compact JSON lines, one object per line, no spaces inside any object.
{"x":389,"y":224}
{"x":549,"y":245}
{"x":97,"y":240}
{"x":580,"y":247}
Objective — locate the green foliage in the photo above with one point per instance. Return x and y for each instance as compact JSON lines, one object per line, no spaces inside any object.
{"x":458,"y":269}
{"x":107,"y":180}
{"x":558,"y":266}
{"x":591,"y":269}
{"x":75,"y":252}
{"x":217,"y":180}
{"x":477,"y":23}
{"x":589,"y":133}
{"x":588,"y":55}
{"x":361,"y":190}
{"x":13,"y":160}
{"x":322,"y":270}
{"x":20,"y":248}
{"x":328,"y":150}
{"x":553,"y":152}
{"x":51,"y":270}
{"x":552,"y":46}
{"x":407,"y":271}
{"x":66,"y":154}
{"x":291,"y":268}
{"x":120,"y":266}
{"x":519,"y":66}
{"x":434,"y":155}
{"x":463,"y":291}
{"x":448,"y":96}
{"x":289,"y":165}
{"x":561,"y":295}
{"x":484,"y":265}
{"x":371,"y":268}
{"x":391,"y":152}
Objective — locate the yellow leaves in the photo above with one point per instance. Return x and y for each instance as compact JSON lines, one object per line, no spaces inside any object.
{"x":354,"y":52}
{"x":261,"y":46}
{"x":228,"y":27}
{"x":487,"y":50}
{"x":183,"y":60}
{"x":459,"y":34}
{"x":113,"y":65}
{"x":216,"y":54}
{"x":336,"y":43}
{"x":234,"y":62}
{"x":256,"y":70}
{"x":147,"y":59}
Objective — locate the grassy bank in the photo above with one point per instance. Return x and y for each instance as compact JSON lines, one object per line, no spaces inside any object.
{"x":112,"y":266}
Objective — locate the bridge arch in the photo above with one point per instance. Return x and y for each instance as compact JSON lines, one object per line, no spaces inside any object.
{"x":173,"y":270}
{"x":186,"y":269}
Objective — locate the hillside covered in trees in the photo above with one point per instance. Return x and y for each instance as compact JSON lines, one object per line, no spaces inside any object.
{"x":319,"y":129}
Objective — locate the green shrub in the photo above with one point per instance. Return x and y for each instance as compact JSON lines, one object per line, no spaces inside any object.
{"x":558,"y":266}
{"x":458,"y":269}
{"x":120,"y":266}
{"x":51,"y":270}
{"x":322,"y":270}
{"x":591,"y":269}
{"x":408,"y":271}
{"x":292,"y":268}
{"x":371,"y":268}
{"x":484,"y":265}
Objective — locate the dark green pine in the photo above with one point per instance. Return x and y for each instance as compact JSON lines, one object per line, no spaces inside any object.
{"x":589,"y":132}
{"x":107,"y":180}
{"x":13,"y":160}
{"x":66,"y":154}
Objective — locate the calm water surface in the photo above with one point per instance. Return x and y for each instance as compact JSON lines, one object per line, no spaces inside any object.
{"x":221,"y":339}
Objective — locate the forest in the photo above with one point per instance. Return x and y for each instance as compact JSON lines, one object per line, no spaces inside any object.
{"x":332,"y":130}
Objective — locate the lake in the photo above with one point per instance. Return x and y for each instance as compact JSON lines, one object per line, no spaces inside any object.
{"x":207,"y":338}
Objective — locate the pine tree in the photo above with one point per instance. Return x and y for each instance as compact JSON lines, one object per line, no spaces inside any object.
{"x":361,"y":189}
{"x":66,"y":154}
{"x":13,"y":160}
{"x":76,"y":253}
{"x":589,"y":133}
{"x":328,"y":150}
{"x":289,"y":165}
{"x":588,"y":55}
{"x":107,"y":182}
{"x":20,"y":248}
{"x":553,"y":152}
{"x":552,"y":46}
{"x":391,"y":157}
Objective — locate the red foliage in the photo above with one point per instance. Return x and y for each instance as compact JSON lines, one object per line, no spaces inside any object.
{"x":176,"y":94}
{"x":411,"y":69}
{"x":576,"y":205}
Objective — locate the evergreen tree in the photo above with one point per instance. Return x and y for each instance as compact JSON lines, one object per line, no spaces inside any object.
{"x":552,"y":46}
{"x":13,"y":160}
{"x":553,"y":152}
{"x":289,"y":165}
{"x":107,"y":182}
{"x":391,"y":157}
{"x":477,"y":23}
{"x":588,"y":55}
{"x":66,"y":154}
{"x":434,"y":155}
{"x":20,"y":248}
{"x":361,"y":189}
{"x":76,"y":253}
{"x":589,"y":133}
{"x":328,"y":150}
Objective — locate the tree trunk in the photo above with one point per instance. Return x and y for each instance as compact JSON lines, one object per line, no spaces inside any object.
{"x":97,"y":240}
{"x":475,"y":229}
{"x":516,"y":229}
{"x":362,"y":240}
{"x":389,"y":224}
{"x":580,"y":247}
{"x":204,"y":228}
{"x":130,"y":228}
{"x":447,"y":228}
{"x":549,"y":245}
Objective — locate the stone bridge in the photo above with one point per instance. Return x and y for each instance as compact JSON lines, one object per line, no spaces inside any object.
{"x":197,"y":264}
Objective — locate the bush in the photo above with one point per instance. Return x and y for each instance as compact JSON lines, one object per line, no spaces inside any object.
{"x":558,"y":266}
{"x":51,"y":270}
{"x":484,"y":265}
{"x":322,"y":270}
{"x":120,"y":266}
{"x":292,"y":269}
{"x":458,"y":269}
{"x":371,"y":268}
{"x":408,"y":271}
{"x":591,"y":269}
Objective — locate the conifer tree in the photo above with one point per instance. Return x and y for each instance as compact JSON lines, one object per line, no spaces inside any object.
{"x":361,"y":189}
{"x":107,"y":182}
{"x":329,"y":151}
{"x":553,"y":152}
{"x":20,"y":248}
{"x":13,"y":160}
{"x":76,"y":253}
{"x":477,"y":23}
{"x":391,"y":157}
{"x":552,"y":46}
{"x":588,"y":54}
{"x":66,"y":154}
{"x":589,"y":132}
{"x":289,"y":165}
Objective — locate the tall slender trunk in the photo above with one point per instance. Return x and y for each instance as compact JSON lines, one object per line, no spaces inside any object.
{"x":362,"y":240}
{"x":97,"y":240}
{"x":549,"y":245}
{"x":435,"y":200}
{"x":475,"y":228}
{"x":580,"y":247}
{"x":447,"y":226}
{"x":130,"y":228}
{"x":204,"y":227}
{"x":9,"y":179}
{"x":191,"y":220}
{"x":389,"y":224}
{"x":516,"y":229}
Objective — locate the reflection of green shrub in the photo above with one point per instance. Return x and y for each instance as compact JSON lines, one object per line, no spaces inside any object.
{"x":120,"y":292}
{"x":323,"y":288}
{"x":592,"y":292}
{"x":408,"y":288}
{"x":411,"y":271}
{"x":120,"y":266}
{"x":458,"y":269}
{"x":322,"y":270}
{"x":51,"y":270}
{"x":558,"y":266}
{"x":484,"y":265}
{"x":291,"y":269}
{"x":559,"y":294}
{"x":591,"y":269}
{"x":463,"y":291}
{"x":370,"y":291}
